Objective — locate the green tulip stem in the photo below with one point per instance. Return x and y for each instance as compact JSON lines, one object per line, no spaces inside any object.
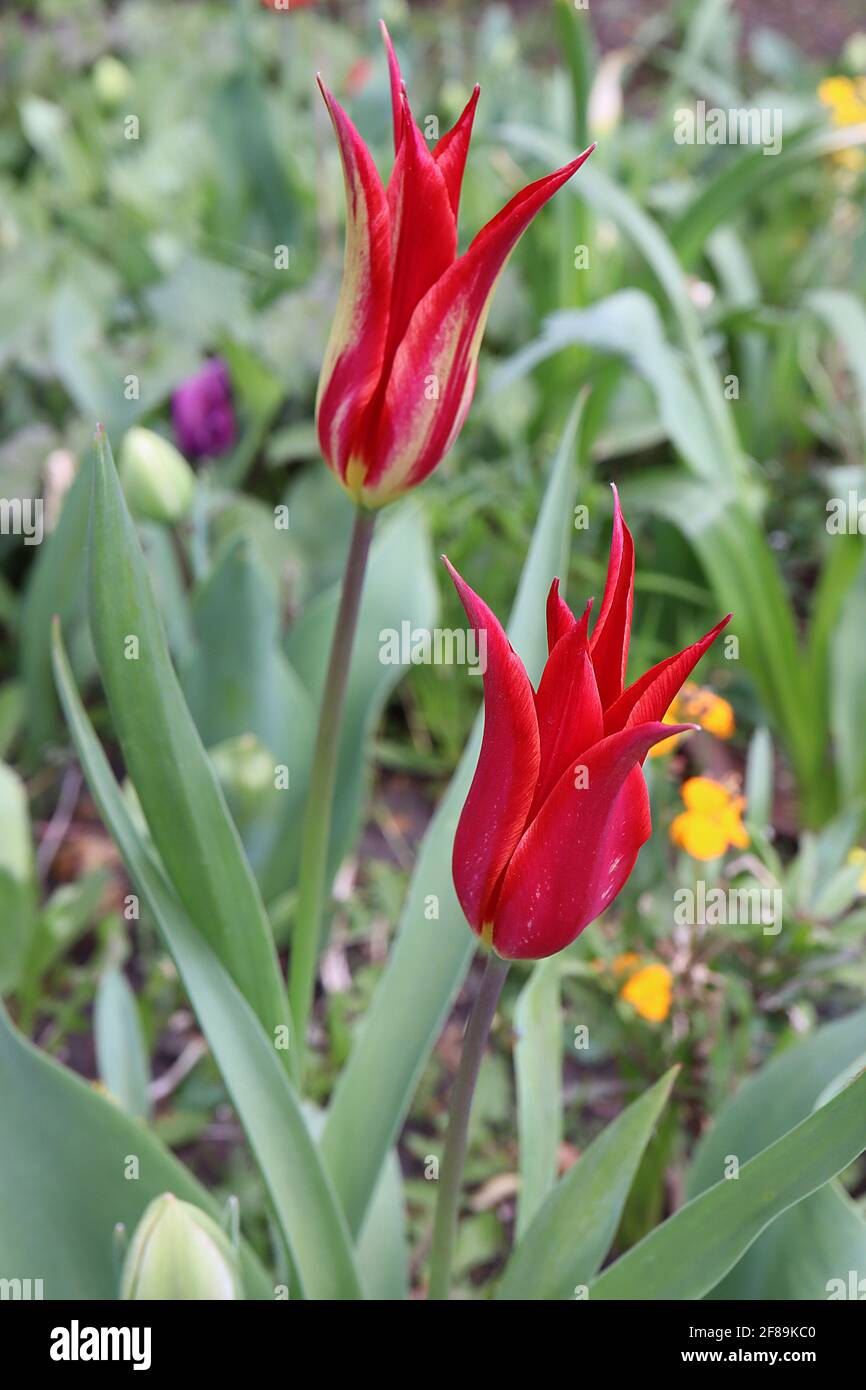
{"x":306,"y":938}
{"x":453,"y":1157}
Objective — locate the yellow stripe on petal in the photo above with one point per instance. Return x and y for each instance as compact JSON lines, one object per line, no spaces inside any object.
{"x":355,"y":354}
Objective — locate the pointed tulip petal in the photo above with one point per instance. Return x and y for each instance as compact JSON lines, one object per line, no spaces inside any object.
{"x":579,"y":850}
{"x":397,"y":85}
{"x":451,"y":151}
{"x":650,"y":697}
{"x":433,"y":374}
{"x":496,"y":808}
{"x":356,"y":348}
{"x":560,"y":618}
{"x":423,"y":230}
{"x":568,"y":708}
{"x":610,"y":636}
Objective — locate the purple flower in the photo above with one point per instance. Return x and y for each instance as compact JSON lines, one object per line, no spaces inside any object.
{"x":203,"y":412}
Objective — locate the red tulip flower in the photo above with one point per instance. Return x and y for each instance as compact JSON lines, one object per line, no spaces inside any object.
{"x":400,"y":367}
{"x":558,"y":808}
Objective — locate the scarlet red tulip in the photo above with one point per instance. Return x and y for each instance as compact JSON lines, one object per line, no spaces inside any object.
{"x":558,"y":808}
{"x":400,"y":367}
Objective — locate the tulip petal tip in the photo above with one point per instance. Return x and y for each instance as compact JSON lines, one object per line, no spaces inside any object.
{"x":451,"y":570}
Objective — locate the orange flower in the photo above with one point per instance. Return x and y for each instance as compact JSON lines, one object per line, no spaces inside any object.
{"x":649,"y":992}
{"x":712,"y":821}
{"x":625,"y":963}
{"x":696,"y":704}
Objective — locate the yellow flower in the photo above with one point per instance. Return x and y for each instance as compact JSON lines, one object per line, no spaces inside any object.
{"x":668,"y":745}
{"x":858,"y":856}
{"x":846,"y":100}
{"x":845,"y":97}
{"x":708,"y":709}
{"x":697,"y":705}
{"x":712,"y":821}
{"x":649,"y":992}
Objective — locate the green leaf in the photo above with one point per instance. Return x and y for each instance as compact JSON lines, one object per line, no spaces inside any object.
{"x":572,"y":1232}
{"x":687,"y":1256}
{"x":577,"y":41}
{"x":430,"y":957}
{"x":747,"y":175}
{"x":817,"y":1241}
{"x":67,"y":914}
{"x":847,"y":683}
{"x":778,"y":1097}
{"x":538,"y":1073}
{"x":608,"y":200}
{"x":400,"y":589}
{"x":309,"y":1218}
{"x":120,"y":1051}
{"x":842,"y":563}
{"x":67,"y":1154}
{"x":383,"y":1251}
{"x":628,"y":323}
{"x":744,"y":574}
{"x":760,"y":778}
{"x":239,"y":682}
{"x":17,"y":880}
{"x":173,"y":777}
{"x":845,"y":316}
{"x":56,"y":587}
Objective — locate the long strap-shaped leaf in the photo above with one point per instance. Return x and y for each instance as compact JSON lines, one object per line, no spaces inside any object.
{"x":435,"y":945}
{"x":538,"y":1075}
{"x":309,"y":1216}
{"x":687,"y":1256}
{"x":176,"y":785}
{"x":66,"y":1175}
{"x":571,"y":1234}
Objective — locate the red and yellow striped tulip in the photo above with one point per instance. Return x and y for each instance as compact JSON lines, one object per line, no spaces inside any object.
{"x":400,"y":367}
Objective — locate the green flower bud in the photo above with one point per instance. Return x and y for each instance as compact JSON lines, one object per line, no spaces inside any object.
{"x":246,"y":770}
{"x":157,"y":480}
{"x":244,"y":766}
{"x":179,"y":1253}
{"x":112,"y":80}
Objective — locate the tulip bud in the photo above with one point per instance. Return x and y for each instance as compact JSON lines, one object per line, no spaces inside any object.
{"x":179,"y":1253}
{"x":245,"y":768}
{"x":111,"y":80}
{"x":157,"y":480}
{"x":203,"y":412}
